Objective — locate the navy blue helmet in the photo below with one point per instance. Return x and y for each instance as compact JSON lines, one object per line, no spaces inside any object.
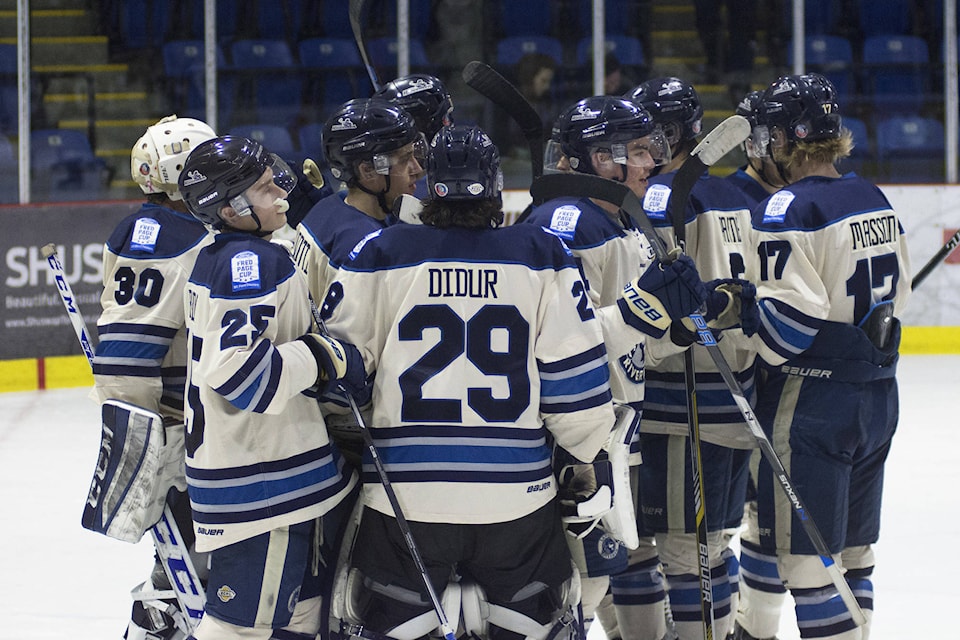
{"x":463,"y":164}
{"x":671,"y":100}
{"x":365,"y":129}
{"x":424,"y":97}
{"x":804,"y":106}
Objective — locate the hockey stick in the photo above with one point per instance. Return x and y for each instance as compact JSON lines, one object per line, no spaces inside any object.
{"x":937,"y":258}
{"x":501,"y":92}
{"x":356,"y":10}
{"x":167,"y":539}
{"x":448,"y":631}
{"x":554,"y":186}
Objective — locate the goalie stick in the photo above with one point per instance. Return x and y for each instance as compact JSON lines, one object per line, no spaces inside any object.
{"x":167,"y":540}
{"x":448,"y":631}
{"x":356,"y":11}
{"x":554,"y":186}
{"x":937,"y":258}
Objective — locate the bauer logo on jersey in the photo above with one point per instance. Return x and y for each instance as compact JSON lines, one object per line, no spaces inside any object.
{"x":144,"y":236}
{"x":656,"y":199}
{"x":367,"y":238}
{"x":245,"y":271}
{"x":777,"y":206}
{"x":193,"y":177}
{"x":563,"y":222}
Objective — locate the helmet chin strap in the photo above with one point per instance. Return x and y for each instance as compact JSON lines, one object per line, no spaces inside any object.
{"x":381,"y":196}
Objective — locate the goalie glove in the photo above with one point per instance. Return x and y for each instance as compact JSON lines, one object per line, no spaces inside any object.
{"x":339,"y":366}
{"x":663,"y":293}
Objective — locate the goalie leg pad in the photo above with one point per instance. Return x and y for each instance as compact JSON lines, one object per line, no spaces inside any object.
{"x":621,"y":521}
{"x":133,"y":474}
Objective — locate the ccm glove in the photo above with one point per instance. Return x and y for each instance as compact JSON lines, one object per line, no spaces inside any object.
{"x":664,"y":292}
{"x":340,"y":366}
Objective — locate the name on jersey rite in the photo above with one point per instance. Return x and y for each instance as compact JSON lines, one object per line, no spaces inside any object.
{"x":874,"y":231}
{"x":463,"y":283}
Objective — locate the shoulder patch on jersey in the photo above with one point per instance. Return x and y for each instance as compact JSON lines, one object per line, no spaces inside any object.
{"x":777,"y":206}
{"x":245,"y":271}
{"x":633,"y":363}
{"x":144,"y":235}
{"x":655,"y":200}
{"x":563,"y":221}
{"x":359,"y":246}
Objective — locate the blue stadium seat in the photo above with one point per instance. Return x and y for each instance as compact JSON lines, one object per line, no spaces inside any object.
{"x":910,"y":149}
{"x":333,"y":72}
{"x":64,"y":167}
{"x":9,"y":177}
{"x":618,"y":17}
{"x":862,"y":148}
{"x":510,"y":50}
{"x":183,"y":69}
{"x":896,"y":72}
{"x":9,"y":118}
{"x":275,"y":96}
{"x":274,"y":138}
{"x":831,"y":56}
{"x":383,"y":53}
{"x":884,"y":17}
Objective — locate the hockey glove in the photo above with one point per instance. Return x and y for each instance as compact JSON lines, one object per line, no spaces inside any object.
{"x":585,"y":491}
{"x":664,"y":292}
{"x":730,"y":303}
{"x":310,"y":189}
{"x":340,"y":366}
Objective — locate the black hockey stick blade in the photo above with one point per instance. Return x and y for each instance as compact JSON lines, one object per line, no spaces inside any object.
{"x":721,"y":140}
{"x":939,"y":257}
{"x":501,"y":92}
{"x":356,"y":10}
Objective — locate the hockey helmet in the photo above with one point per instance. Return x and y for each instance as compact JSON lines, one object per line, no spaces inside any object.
{"x":673,"y":103}
{"x":755,"y":145}
{"x":367,"y":130}
{"x":158,"y":156}
{"x":424,"y":97}
{"x":804,"y":106}
{"x":220,"y":170}
{"x":463,"y":164}
{"x":608,"y":124}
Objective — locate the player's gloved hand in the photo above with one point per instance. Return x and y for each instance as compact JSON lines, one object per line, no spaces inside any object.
{"x":309,"y":190}
{"x":663,"y":293}
{"x":339,"y":364}
{"x":731,"y":302}
{"x":312,"y":173}
{"x":585,"y":491}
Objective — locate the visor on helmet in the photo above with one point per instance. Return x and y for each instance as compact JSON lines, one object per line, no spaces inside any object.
{"x":257,"y":196}
{"x":416,"y":150}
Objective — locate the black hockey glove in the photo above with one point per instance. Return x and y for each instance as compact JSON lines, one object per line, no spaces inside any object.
{"x":731,"y":302}
{"x":663,"y":293}
{"x":340,"y":366}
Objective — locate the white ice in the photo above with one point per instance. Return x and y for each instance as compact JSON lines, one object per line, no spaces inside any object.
{"x":58,"y":580}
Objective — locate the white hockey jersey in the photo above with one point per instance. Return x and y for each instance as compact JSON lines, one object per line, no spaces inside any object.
{"x":717,"y":222}
{"x":258,"y":455}
{"x":485,"y":348}
{"x":141,"y":357}
{"x":827,"y":251}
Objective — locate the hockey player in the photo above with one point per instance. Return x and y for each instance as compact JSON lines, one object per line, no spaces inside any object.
{"x":486,"y":348}
{"x":832,"y":277}
{"x":754,"y":178}
{"x":424,"y":97}
{"x":612,"y":138}
{"x":264,"y":480}
{"x":141,"y":354}
{"x":375,"y":147}
{"x":715,"y":220}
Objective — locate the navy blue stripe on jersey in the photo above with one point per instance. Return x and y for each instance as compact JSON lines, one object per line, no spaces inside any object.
{"x":127,"y":349}
{"x":254,"y":385}
{"x":784,"y":329}
{"x":212,"y":270}
{"x":575,"y":383}
{"x":408,"y":245}
{"x":424,"y":453}
{"x":818,"y":202}
{"x":665,"y":397}
{"x":174,"y":381}
{"x":337,"y":227}
{"x":751,"y":189}
{"x":267,"y":489}
{"x":179,"y":232}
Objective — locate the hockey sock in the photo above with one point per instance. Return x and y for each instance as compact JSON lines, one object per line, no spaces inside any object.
{"x":822,"y":614}
{"x":685,"y":603}
{"x":761,"y":592}
{"x":862,"y":587}
{"x":732,"y":563}
{"x":638,"y":599}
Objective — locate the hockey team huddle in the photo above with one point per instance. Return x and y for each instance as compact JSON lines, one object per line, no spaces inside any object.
{"x":416,"y":421}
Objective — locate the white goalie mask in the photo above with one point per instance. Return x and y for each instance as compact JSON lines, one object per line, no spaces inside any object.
{"x":158,"y":156}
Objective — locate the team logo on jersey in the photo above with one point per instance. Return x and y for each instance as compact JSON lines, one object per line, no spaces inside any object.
{"x":245,"y":271}
{"x":441,"y":189}
{"x":777,"y":206}
{"x":633,"y":363}
{"x":226,"y":594}
{"x":608,"y":546}
{"x":193,"y":177}
{"x":344,"y":124}
{"x":144,"y":235}
{"x":367,"y":238}
{"x":655,"y":200}
{"x":563,"y":222}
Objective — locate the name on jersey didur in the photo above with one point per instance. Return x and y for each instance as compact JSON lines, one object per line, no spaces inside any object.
{"x":874,"y":231}
{"x":460,"y":282}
